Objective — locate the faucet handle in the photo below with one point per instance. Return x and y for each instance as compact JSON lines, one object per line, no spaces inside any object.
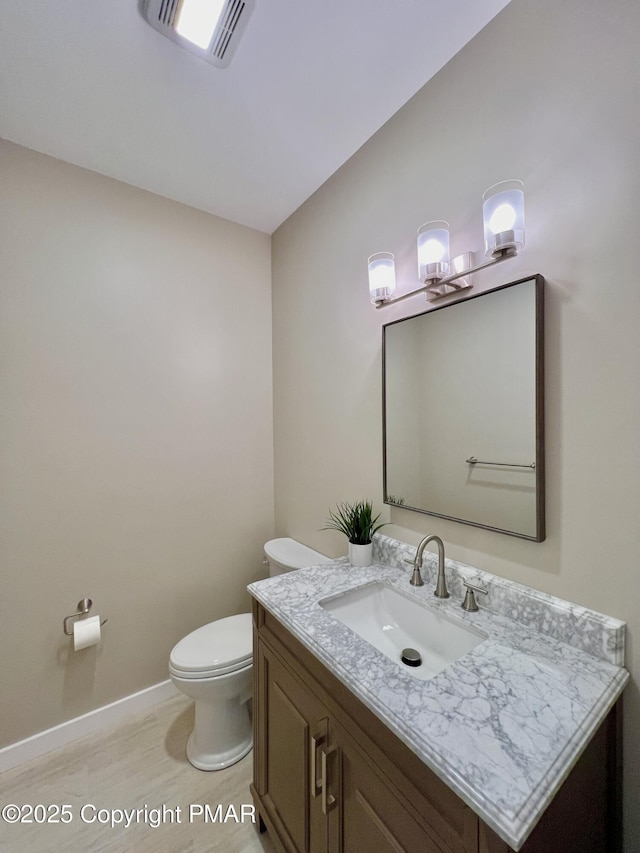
{"x":469,"y":602}
{"x":416,"y":577}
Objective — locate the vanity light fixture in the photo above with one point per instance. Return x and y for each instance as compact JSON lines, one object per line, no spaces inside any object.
{"x":433,"y":251}
{"x":503,"y":217}
{"x":382,"y":277}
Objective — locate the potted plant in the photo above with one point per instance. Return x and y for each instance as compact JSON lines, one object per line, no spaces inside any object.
{"x":358,"y":524}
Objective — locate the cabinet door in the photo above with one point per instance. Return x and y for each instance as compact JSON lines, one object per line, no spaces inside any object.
{"x":292,"y":732}
{"x":369,"y":815}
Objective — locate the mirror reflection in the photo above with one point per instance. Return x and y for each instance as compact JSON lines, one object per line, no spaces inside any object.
{"x":463,"y":410}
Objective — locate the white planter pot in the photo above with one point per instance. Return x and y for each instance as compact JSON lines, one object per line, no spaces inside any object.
{"x":361,"y":555}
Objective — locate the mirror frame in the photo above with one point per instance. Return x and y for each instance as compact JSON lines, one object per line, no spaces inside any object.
{"x":539,"y":411}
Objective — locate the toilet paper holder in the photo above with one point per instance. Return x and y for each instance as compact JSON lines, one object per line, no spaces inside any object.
{"x":84,"y":606}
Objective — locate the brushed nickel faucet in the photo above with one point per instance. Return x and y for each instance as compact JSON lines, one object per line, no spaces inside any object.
{"x":441,"y":590}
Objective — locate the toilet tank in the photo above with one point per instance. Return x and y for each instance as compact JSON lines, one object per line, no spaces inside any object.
{"x":284,"y":555}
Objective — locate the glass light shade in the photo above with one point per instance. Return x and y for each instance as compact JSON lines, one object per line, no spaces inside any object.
{"x":382,"y":276}
{"x":503,"y":215}
{"x":433,"y":250}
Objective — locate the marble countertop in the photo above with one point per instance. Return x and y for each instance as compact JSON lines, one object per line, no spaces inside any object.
{"x":503,"y":725}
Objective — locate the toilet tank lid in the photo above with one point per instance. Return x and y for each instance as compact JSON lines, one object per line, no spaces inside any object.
{"x":292,"y":554}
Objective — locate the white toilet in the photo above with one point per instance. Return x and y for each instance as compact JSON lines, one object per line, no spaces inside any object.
{"x":213,"y":665}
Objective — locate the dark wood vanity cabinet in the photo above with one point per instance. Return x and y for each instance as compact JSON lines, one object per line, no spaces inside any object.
{"x":329,"y":776}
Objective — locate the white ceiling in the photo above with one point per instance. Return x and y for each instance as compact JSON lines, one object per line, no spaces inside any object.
{"x":91,"y":83}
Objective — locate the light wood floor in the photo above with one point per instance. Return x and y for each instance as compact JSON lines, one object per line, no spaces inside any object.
{"x":136,"y":763}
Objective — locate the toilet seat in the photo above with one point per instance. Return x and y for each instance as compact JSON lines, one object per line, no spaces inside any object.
{"x":215,"y":649}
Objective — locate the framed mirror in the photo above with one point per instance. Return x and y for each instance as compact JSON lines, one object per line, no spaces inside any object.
{"x":463,"y":410}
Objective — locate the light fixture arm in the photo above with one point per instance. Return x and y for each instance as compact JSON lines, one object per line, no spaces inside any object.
{"x":499,"y":255}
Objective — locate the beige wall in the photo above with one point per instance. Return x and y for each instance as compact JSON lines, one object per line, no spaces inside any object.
{"x":135,"y":431}
{"x":548,"y":92}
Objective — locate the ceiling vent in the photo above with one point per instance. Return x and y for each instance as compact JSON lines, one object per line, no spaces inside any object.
{"x":164,"y":16}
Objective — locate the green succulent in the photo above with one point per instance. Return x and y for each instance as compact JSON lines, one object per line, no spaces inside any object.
{"x":355,"y":520}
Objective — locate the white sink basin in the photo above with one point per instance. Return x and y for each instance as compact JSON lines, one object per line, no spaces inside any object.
{"x":392,"y":622}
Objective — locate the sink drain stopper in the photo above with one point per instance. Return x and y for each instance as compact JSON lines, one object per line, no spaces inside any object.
{"x":411,"y":657}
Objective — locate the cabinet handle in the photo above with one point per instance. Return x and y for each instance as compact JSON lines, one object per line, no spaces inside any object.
{"x":316,"y":783}
{"x":328,"y":800}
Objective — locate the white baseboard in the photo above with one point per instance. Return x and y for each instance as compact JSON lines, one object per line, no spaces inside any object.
{"x":43,"y":742}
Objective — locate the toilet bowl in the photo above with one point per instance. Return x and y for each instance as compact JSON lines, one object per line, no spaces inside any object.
{"x":213,"y":665}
